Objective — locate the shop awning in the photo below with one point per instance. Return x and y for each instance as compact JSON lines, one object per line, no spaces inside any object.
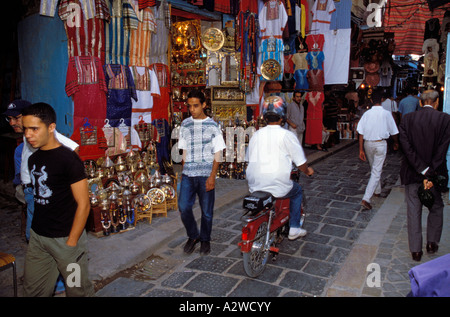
{"x":183,"y":9}
{"x":406,"y":18}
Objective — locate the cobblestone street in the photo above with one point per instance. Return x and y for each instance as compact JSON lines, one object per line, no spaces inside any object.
{"x":303,"y":268}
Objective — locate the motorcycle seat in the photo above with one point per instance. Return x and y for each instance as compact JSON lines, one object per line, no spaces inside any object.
{"x":258,"y":201}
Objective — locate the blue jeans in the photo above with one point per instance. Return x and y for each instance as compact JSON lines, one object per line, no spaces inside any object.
{"x":190,"y":187}
{"x":295,"y":195}
{"x":29,"y":199}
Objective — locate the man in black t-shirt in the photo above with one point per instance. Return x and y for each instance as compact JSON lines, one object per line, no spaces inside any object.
{"x":57,"y":239}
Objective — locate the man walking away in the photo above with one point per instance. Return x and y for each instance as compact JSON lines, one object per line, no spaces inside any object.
{"x":374,"y":128}
{"x":424,"y":138}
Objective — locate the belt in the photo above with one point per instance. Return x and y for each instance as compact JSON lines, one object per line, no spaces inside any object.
{"x":375,"y":140}
{"x":27,"y":185}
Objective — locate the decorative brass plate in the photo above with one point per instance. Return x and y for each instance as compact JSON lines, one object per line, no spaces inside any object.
{"x":156,"y":196}
{"x":270,"y":69}
{"x":142,"y":203}
{"x":213,"y":39}
{"x":168,"y":190}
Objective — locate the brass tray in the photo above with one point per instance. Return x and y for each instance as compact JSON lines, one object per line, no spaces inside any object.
{"x":271,"y":69}
{"x":213,"y":39}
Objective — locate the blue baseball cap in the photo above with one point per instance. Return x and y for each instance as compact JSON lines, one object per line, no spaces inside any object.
{"x":16,"y":107}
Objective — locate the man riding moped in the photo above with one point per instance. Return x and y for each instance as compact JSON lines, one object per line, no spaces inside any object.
{"x":271,"y":152}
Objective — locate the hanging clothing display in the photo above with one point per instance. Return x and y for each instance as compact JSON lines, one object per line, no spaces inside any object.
{"x":146,"y":3}
{"x":314,"y":114}
{"x":161,"y":101}
{"x":315,"y":59}
{"x":272,"y":19}
{"x":316,"y":80}
{"x":86,"y":84}
{"x":315,"y":42}
{"x":91,"y":140}
{"x":158,"y":48}
{"x":342,"y":17}
{"x":336,"y":50}
{"x":121,"y":90}
{"x":407,"y":19}
{"x":301,"y":79}
{"x":432,"y":29}
{"x":162,"y":147}
{"x":321,"y":16}
{"x":147,"y":87}
{"x":117,"y":37}
{"x":141,"y":38}
{"x":248,"y":5}
{"x":85,"y":36}
{"x":272,"y":48}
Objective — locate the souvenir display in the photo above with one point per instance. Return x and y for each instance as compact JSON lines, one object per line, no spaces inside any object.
{"x":125,"y":189}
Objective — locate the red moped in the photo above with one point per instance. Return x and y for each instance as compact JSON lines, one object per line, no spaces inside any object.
{"x":266,"y":223}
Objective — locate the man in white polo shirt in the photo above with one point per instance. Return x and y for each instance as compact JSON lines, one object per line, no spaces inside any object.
{"x":271,"y":152}
{"x":374,"y":128}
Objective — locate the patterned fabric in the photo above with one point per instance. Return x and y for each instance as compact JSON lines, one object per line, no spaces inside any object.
{"x":407,"y":19}
{"x":141,"y":39}
{"x":322,"y":11}
{"x":120,"y":91}
{"x":48,"y":7}
{"x":85,"y":83}
{"x":314,"y":115}
{"x":315,"y":59}
{"x":146,"y":3}
{"x":271,"y":24}
{"x":200,"y":139}
{"x":85,"y":37}
{"x":147,"y":88}
{"x":117,"y":37}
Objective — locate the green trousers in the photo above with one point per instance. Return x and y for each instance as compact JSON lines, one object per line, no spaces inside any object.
{"x":46,"y":258}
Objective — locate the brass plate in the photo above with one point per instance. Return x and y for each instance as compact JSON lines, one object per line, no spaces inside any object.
{"x":168,"y":190}
{"x":156,"y":196}
{"x":271,"y":69}
{"x":142,"y":203}
{"x":213,"y":39}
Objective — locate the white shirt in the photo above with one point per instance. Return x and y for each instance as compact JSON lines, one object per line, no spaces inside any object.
{"x":377,"y":124}
{"x":271,"y":152}
{"x":28,"y":150}
{"x":390,"y":105}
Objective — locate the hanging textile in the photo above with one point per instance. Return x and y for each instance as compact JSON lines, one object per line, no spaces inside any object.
{"x":407,"y":19}
{"x":147,"y":88}
{"x":162,"y":100}
{"x":85,"y":83}
{"x":272,"y":19}
{"x":85,"y":37}
{"x":321,"y":16}
{"x":121,"y":90}
{"x":314,"y":114}
{"x":336,"y":49}
{"x":162,"y":147}
{"x":117,"y":37}
{"x":141,"y":38}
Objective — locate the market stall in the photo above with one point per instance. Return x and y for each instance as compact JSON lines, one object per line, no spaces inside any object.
{"x":130,"y":65}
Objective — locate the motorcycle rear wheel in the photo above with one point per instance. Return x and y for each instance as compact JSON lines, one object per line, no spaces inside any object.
{"x":255,"y":260}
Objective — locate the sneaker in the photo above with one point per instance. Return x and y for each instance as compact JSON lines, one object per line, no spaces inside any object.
{"x":190,"y":245}
{"x":295,"y":233}
{"x":205,"y":248}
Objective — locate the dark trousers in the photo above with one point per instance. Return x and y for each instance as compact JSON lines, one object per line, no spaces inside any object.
{"x":414,"y":218}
